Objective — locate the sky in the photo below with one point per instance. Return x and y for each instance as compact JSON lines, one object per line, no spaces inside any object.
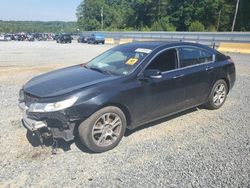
{"x":38,"y":10}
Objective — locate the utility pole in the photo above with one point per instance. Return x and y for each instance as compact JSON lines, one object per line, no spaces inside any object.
{"x":218,"y":23}
{"x":235,"y":15}
{"x":102,"y":17}
{"x":159,"y":9}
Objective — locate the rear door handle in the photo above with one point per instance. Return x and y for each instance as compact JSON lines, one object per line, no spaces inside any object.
{"x":178,"y":76}
{"x":209,"y":68}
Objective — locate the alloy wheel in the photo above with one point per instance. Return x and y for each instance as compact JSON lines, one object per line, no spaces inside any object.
{"x":106,"y":129}
{"x":219,"y":94}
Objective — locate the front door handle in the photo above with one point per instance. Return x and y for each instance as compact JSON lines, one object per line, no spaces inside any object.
{"x":178,"y":76}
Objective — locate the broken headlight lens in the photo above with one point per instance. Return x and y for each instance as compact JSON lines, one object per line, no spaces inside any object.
{"x":52,"y":107}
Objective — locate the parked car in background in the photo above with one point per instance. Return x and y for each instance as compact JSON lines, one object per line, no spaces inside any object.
{"x":1,"y":37}
{"x":19,"y":37}
{"x":9,"y":37}
{"x":82,"y":39}
{"x":64,"y":38}
{"x":127,"y":86}
{"x":96,"y":39}
{"x":55,"y":37}
{"x":30,"y":37}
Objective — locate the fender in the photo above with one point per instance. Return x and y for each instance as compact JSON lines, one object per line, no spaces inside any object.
{"x":79,"y":112}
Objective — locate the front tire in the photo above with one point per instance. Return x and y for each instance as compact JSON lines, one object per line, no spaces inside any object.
{"x":218,"y":95}
{"x":103,"y":130}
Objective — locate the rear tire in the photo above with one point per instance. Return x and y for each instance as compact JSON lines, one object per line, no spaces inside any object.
{"x":103,"y":130}
{"x":218,"y":95}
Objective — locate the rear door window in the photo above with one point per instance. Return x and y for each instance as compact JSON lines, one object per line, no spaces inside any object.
{"x":194,"y":56}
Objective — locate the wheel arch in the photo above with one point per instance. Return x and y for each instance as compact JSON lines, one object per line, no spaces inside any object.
{"x":123,"y":108}
{"x":217,"y":79}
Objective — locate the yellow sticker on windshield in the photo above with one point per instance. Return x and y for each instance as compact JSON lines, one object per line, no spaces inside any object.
{"x":131,"y":61}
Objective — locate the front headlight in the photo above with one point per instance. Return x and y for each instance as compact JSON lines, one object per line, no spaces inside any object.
{"x":52,"y":107}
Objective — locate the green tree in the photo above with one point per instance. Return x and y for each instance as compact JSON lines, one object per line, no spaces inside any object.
{"x":196,"y":26}
{"x":36,"y":26}
{"x":146,"y":15}
{"x":243,"y":19}
{"x":163,"y":25}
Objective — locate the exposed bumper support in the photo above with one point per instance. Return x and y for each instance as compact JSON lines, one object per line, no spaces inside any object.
{"x":33,"y":125}
{"x":30,"y":124}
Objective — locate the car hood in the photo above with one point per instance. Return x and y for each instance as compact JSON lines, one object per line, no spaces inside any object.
{"x":64,"y":81}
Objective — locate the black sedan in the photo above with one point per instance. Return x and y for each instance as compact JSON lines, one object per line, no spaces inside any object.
{"x":65,"y":38}
{"x":81,"y":39}
{"x":123,"y":88}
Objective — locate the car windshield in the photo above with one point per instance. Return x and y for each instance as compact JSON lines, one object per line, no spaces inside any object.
{"x":99,"y":36}
{"x":117,"y":61}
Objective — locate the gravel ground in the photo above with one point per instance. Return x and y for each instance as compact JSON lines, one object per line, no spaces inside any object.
{"x":196,"y":148}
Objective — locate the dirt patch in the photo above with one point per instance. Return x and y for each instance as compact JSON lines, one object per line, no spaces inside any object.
{"x":20,"y":74}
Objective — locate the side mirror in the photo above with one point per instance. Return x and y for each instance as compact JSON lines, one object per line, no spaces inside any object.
{"x":152,"y":73}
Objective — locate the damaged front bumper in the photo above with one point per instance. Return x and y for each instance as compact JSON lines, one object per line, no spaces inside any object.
{"x":48,"y":124}
{"x":33,"y":125}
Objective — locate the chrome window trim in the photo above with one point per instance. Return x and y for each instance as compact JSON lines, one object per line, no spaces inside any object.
{"x":179,"y":68}
{"x":192,"y":66}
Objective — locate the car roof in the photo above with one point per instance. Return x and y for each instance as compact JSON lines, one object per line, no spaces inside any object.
{"x":155,"y":44}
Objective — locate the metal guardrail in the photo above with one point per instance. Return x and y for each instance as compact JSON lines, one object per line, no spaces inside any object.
{"x":208,"y":38}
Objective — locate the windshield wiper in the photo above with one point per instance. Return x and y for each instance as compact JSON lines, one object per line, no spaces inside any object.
{"x":102,"y":71}
{"x":99,"y":70}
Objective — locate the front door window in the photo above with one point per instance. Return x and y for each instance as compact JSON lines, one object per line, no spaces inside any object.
{"x":165,"y":61}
